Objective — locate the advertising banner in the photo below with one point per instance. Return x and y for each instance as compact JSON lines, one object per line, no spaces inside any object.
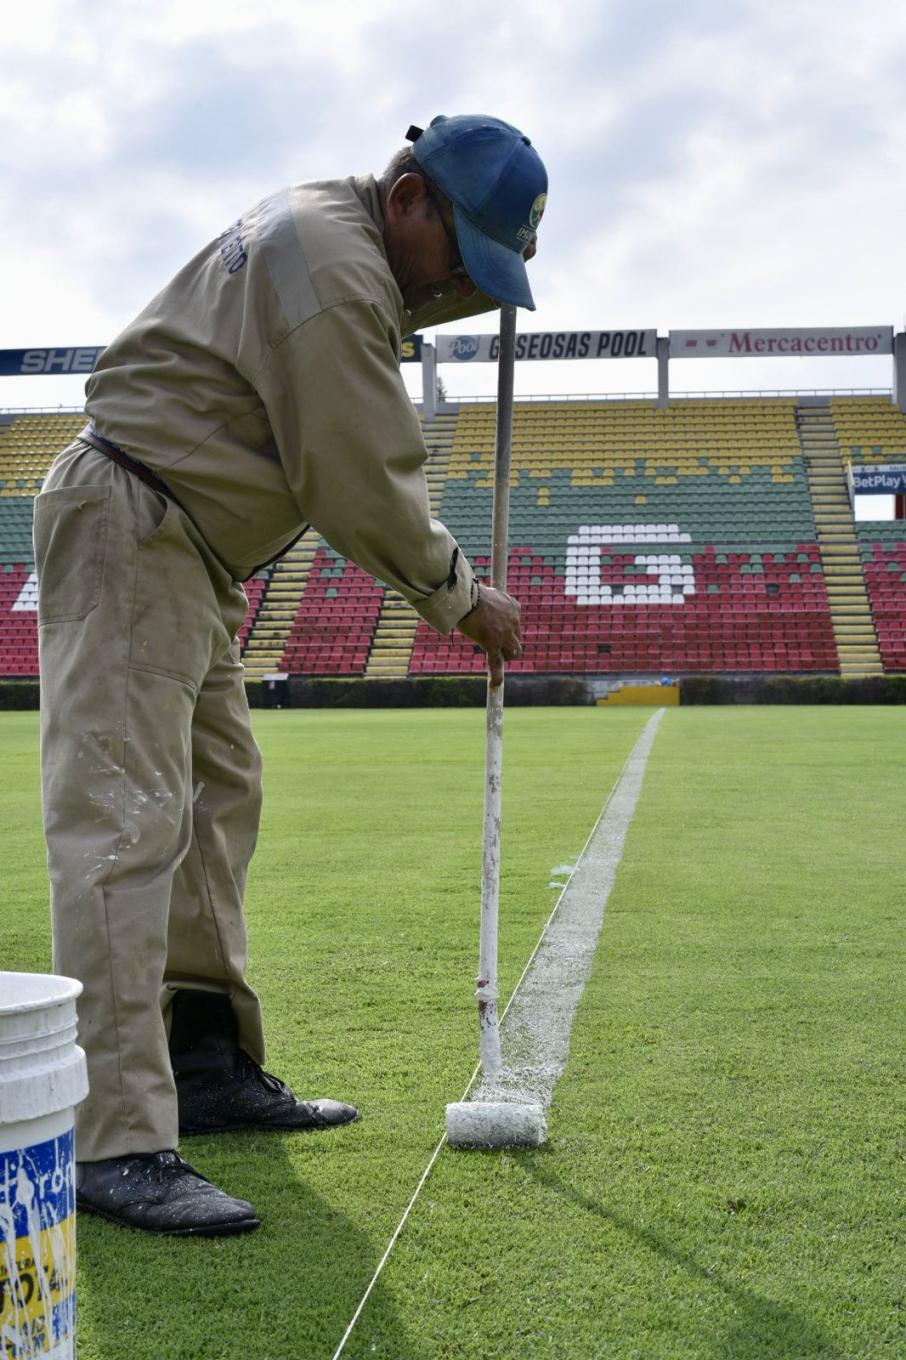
{"x":15,"y":363}
{"x":880,"y":479}
{"x":464,"y":349}
{"x":761,"y":344}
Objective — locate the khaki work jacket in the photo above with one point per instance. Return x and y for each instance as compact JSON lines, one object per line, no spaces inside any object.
{"x":263,"y":386}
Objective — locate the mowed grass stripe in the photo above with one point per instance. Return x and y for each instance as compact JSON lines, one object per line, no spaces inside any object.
{"x":724,"y":1175}
{"x":363,"y":913}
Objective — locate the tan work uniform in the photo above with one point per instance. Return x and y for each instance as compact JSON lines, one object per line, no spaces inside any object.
{"x":263,"y":387}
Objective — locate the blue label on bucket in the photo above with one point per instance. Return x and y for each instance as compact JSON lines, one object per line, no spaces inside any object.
{"x":37,"y":1248}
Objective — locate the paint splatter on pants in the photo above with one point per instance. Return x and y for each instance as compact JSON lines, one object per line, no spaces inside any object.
{"x":151,"y":783}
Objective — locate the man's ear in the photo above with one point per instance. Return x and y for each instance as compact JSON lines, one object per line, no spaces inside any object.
{"x":406,"y":196}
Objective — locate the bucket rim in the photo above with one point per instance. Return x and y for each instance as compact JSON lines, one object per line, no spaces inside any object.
{"x":58,"y":990}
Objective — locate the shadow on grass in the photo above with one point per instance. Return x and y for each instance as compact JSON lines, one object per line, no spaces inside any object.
{"x":763,"y":1329}
{"x":283,"y":1292}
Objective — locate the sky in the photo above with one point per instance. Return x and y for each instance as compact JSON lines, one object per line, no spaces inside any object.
{"x":712,"y":163}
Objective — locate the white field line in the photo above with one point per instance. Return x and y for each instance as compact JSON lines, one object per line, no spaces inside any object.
{"x":589,"y":885}
{"x":535,"y":1030}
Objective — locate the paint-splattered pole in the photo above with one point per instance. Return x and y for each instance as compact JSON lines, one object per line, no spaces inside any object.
{"x":486,"y":991}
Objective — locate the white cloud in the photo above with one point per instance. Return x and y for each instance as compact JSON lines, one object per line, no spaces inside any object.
{"x":736,"y":164}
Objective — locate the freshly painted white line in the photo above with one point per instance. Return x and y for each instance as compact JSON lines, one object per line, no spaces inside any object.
{"x":534,"y":1035}
{"x":564,"y":952}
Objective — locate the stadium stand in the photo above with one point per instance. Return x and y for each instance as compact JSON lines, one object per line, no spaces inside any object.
{"x":713,"y":536}
{"x":854,"y":630}
{"x":334,"y":620}
{"x":18,"y":634}
{"x":27,"y":445}
{"x":263,"y":651}
{"x":395,"y":634}
{"x":871,"y":430}
{"x":254,"y":589}
{"x":25,"y":442}
{"x":647,"y":540}
{"x":882,"y":549}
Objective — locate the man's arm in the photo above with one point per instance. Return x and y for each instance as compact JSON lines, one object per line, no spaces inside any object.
{"x":353,"y":453}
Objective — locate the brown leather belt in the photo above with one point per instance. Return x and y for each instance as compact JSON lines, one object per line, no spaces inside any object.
{"x":114,"y":452}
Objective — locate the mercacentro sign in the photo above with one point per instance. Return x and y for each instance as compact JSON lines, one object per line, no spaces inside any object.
{"x":798,"y":341}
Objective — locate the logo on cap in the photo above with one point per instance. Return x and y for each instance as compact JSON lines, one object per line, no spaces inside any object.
{"x":537,"y":211}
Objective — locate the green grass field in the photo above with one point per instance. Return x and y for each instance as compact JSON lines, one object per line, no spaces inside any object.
{"x":725,"y":1169}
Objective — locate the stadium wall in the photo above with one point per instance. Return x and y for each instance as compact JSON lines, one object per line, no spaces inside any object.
{"x":459,"y":692}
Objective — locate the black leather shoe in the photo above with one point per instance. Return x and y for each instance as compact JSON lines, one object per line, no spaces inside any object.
{"x":219,"y":1087}
{"x":250,"y":1098}
{"x":160,"y":1193}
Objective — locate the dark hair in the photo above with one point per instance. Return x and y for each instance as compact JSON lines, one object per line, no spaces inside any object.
{"x":404,"y":163}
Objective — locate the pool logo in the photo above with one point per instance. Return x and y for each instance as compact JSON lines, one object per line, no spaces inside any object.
{"x":465,"y":347}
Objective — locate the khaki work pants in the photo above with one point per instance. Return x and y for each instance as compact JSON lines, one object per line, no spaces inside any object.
{"x":151,"y":783}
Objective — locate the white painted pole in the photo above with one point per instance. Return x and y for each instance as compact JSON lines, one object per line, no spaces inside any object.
{"x":486,"y":991}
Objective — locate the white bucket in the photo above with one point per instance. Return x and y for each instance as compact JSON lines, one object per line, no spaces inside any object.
{"x":42,"y":1078}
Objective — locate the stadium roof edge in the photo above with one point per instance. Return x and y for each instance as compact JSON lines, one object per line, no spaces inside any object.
{"x":452,"y":403}
{"x":805,"y":394}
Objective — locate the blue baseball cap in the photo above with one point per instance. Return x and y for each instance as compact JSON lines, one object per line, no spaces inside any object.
{"x":497,"y":184}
